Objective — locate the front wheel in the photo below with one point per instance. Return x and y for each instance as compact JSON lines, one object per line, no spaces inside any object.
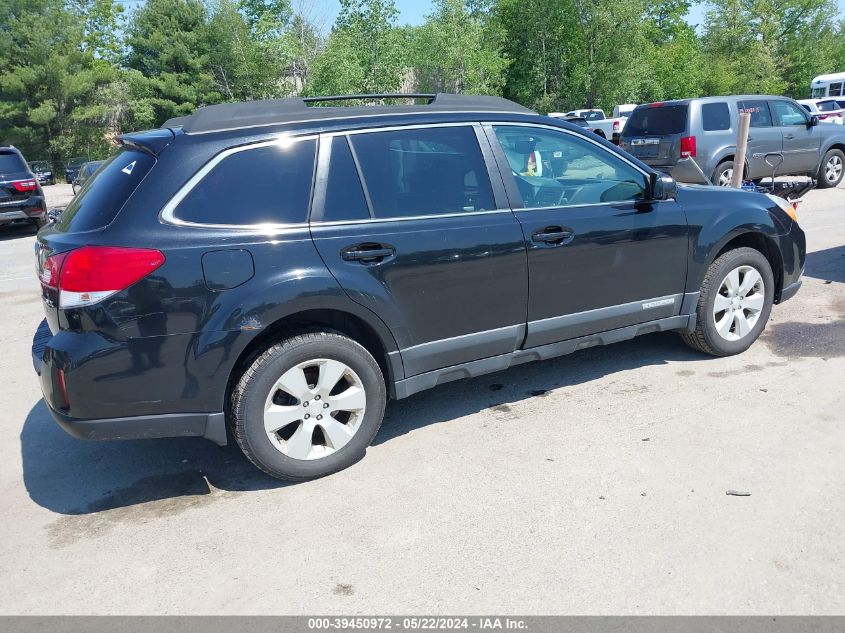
{"x":308,"y":406}
{"x":734,"y":305}
{"x":832,"y":169}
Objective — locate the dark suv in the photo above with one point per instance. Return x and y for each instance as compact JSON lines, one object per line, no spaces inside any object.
{"x":21,"y":196}
{"x":274,"y":271}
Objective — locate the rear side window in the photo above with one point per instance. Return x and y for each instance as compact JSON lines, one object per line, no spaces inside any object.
{"x":661,"y":120}
{"x":715,"y":116}
{"x":423,"y":171}
{"x":344,"y":195}
{"x":97,"y":203}
{"x":759,"y":111}
{"x":11,"y":162}
{"x":268,"y":184}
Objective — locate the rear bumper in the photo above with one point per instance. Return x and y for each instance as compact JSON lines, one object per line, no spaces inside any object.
{"x":18,"y":210}
{"x":211,"y":426}
{"x":789,"y":291}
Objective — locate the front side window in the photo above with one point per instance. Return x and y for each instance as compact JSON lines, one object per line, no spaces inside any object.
{"x":423,"y":171}
{"x":787,"y":113}
{"x":269,"y":184}
{"x":715,"y":116}
{"x":759,"y":111}
{"x":554,"y":168}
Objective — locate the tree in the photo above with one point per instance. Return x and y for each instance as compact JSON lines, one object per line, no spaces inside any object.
{"x":458,"y":50}
{"x":364,"y":53}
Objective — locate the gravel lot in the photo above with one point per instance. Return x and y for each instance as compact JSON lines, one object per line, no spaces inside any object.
{"x":591,"y":484}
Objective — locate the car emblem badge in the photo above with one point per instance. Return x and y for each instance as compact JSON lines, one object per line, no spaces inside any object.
{"x":128,"y":169}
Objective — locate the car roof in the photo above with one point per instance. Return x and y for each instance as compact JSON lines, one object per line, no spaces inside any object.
{"x":251,"y":114}
{"x":719,"y":99}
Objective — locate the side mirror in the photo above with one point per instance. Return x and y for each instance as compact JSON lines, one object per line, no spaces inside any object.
{"x":814,"y":121}
{"x":663,"y":187}
{"x":54,"y":214}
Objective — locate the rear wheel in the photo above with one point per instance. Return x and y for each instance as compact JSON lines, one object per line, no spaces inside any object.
{"x":832,"y":169}
{"x":308,"y":406}
{"x":723,"y":174}
{"x":734,"y":305}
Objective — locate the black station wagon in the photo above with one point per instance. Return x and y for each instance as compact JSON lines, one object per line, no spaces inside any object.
{"x":274,"y":271}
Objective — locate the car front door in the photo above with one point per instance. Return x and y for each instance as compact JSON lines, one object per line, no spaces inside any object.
{"x":801,"y":141}
{"x":600,"y":256}
{"x":763,"y":138}
{"x":424,"y":239}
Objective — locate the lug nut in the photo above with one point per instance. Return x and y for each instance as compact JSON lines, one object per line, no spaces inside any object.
{"x":325,"y":405}
{"x":316,"y":397}
{"x":319,"y":417}
{"x":307,"y":415}
{"x":305,"y":404}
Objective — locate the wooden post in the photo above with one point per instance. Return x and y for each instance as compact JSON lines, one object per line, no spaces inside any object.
{"x":741,"y":148}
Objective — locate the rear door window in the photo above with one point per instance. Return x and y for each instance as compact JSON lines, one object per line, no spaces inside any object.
{"x":715,"y":116}
{"x":759,"y":111}
{"x":423,"y":171}
{"x":98,"y":202}
{"x":344,"y":195}
{"x":268,"y":184}
{"x":657,"y":120}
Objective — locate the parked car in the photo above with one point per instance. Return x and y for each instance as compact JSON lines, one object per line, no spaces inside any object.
{"x":575,"y":120}
{"x":704,"y":129}
{"x":21,"y":196}
{"x":592,"y":114}
{"x":72,"y":168}
{"x":86,"y":172}
{"x":43,"y":171}
{"x":278,"y":271}
{"x":612,"y":128}
{"x":827,"y":110}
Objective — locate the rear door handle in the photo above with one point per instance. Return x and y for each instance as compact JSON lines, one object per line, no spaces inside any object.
{"x":553,"y":235}
{"x":367,"y":253}
{"x":789,"y":137}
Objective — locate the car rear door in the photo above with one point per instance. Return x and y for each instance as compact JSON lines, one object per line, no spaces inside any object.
{"x":424,"y":239}
{"x":763,"y":137}
{"x":600,"y":257}
{"x":801,"y":141}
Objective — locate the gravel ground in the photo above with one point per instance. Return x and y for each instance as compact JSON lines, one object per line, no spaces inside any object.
{"x":591,"y":484}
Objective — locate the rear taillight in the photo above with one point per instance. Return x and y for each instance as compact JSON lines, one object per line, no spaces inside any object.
{"x":89,"y":274}
{"x":688,"y":147}
{"x":25,"y":185}
{"x":616,"y":126}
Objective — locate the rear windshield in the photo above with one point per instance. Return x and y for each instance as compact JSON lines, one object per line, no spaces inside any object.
{"x":98,"y":202}
{"x":11,"y":162}
{"x":657,"y":121}
{"x":828,"y":106}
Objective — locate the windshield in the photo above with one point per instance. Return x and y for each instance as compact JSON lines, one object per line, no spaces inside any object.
{"x":40,"y":165}
{"x":76,"y":162}
{"x":657,"y":120}
{"x":11,"y":162}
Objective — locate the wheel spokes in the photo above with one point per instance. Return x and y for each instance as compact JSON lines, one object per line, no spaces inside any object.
{"x":293,"y":381}
{"x":278,"y":417}
{"x":753,"y":302}
{"x":331,"y":371}
{"x":336,"y":433}
{"x":731,"y":282}
{"x":724,"y":324}
{"x":352,"y":399}
{"x":721,"y":304}
{"x":741,"y":324}
{"x":749,"y":280}
{"x":299,"y":445}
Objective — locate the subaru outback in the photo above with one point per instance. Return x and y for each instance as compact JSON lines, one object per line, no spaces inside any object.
{"x":273,"y":272}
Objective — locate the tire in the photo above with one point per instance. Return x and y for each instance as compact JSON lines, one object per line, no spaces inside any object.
{"x":750,"y":310}
{"x":600,"y":133}
{"x":39,"y":223}
{"x":302,"y":362}
{"x":832,"y":169}
{"x":723,"y":173}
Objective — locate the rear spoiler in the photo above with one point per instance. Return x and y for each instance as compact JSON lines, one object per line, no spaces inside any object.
{"x":150,"y":141}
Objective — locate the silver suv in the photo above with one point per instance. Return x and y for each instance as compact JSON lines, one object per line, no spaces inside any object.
{"x":704,"y":129}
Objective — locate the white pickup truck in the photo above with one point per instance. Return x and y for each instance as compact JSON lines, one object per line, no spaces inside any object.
{"x":611,"y":128}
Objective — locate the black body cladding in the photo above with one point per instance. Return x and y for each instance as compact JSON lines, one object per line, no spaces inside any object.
{"x":436,"y":286}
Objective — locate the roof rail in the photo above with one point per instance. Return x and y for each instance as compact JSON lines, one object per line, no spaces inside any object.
{"x":230,"y":116}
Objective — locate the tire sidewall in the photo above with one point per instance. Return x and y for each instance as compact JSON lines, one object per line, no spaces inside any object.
{"x":723,"y":265}
{"x":720,"y":168}
{"x":254,"y":395}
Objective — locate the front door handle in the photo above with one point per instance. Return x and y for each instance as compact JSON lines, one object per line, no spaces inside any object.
{"x":553,"y":235}
{"x":367,"y":253}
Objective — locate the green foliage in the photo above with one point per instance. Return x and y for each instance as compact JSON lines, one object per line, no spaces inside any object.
{"x":76,"y":73}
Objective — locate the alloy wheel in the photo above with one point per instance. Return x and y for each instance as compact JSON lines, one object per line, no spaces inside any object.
{"x":833,"y":168}
{"x":738,"y":303}
{"x":725,"y":177}
{"x":314,"y":409}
